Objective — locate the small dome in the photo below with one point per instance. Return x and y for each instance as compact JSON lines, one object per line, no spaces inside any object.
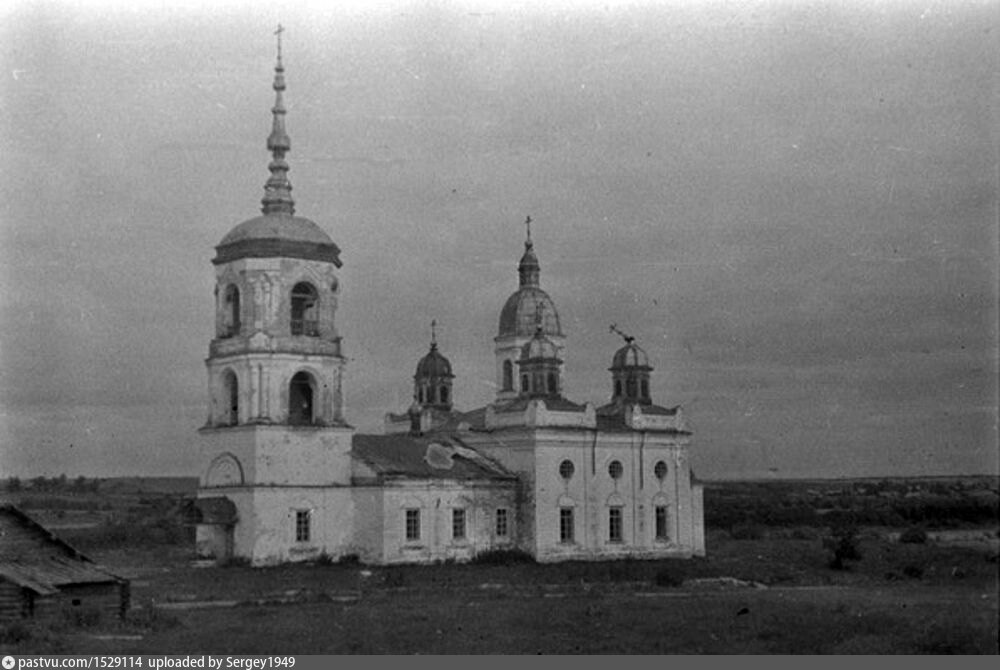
{"x":433,"y":365}
{"x":539,"y":347}
{"x":630,"y":356}
{"x":519,"y":313}
{"x":277,"y":234}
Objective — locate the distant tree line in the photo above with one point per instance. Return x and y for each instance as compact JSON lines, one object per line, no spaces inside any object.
{"x":61,"y":484}
{"x":762,"y":508}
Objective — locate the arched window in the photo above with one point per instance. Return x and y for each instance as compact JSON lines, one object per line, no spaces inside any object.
{"x":420,"y":395}
{"x":508,"y":376}
{"x":615,"y":469}
{"x":231,"y":312}
{"x":566,"y":469}
{"x":305,"y":310}
{"x":660,"y":470}
{"x":645,"y":389}
{"x":443,"y":393}
{"x":300,"y":400}
{"x":618,"y":387}
{"x":232,"y":399}
{"x":524,"y":383}
{"x":630,"y":390}
{"x":553,"y":384}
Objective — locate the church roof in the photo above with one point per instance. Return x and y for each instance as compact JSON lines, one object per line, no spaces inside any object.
{"x":519,"y":313}
{"x":630,"y":356}
{"x":433,"y":364}
{"x":611,"y":417}
{"x":427,"y":457}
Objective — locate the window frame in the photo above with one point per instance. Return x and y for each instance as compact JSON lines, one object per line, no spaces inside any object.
{"x":567,"y":526}
{"x":411,"y":524}
{"x":616,"y":525}
{"x":661,"y":523}
{"x":303,"y":526}
{"x":501,"y":527}
{"x":458,"y":524}
{"x":616,"y":470}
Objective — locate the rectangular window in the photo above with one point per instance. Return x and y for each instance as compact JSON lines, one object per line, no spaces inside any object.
{"x":458,"y":524}
{"x":502,"y":522}
{"x":661,"y":523}
{"x":412,"y":524}
{"x":566,"y":525}
{"x":615,"y":524}
{"x":302,"y":517}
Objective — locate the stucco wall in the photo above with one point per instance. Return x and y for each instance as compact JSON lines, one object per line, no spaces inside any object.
{"x":436,"y":501}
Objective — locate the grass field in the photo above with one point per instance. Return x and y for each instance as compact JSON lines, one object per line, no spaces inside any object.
{"x":764,"y":587}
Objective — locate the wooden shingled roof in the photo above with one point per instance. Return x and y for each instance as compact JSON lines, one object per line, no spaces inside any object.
{"x":33,"y":557}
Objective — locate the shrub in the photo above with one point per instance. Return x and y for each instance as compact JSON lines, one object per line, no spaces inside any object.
{"x":503,"y":557}
{"x":324,"y":559}
{"x":352,"y":560}
{"x":913,"y":571}
{"x":843,"y":542}
{"x":913,"y":535}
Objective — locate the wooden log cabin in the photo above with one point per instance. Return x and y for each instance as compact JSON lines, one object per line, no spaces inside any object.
{"x":43,"y":577}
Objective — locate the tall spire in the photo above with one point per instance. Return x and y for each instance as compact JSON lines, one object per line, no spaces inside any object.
{"x":278,"y":190}
{"x":528,"y":269}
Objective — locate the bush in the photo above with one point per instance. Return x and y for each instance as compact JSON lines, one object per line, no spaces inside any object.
{"x":913,"y":571}
{"x":913,"y":535}
{"x":351,"y":560}
{"x":502,"y":557}
{"x":843,"y":542}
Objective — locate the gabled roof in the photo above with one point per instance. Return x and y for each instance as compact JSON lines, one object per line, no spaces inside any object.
{"x":33,"y":557}
{"x":436,"y":456}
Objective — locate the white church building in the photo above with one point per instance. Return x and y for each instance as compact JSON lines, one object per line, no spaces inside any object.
{"x":286,"y":478}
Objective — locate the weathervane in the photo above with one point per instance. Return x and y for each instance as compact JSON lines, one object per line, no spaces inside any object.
{"x":628,"y":338}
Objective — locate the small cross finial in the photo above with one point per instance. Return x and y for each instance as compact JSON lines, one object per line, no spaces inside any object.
{"x":278,"y":32}
{"x":527,"y":224}
{"x":628,"y":338}
{"x":434,"y":332}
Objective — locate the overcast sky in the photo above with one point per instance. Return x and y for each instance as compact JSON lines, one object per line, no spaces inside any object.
{"x":791,"y":205}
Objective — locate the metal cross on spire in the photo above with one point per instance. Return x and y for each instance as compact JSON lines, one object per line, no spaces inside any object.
{"x":434,"y":332}
{"x":527,"y":224}
{"x":278,"y":32}
{"x":628,"y":338}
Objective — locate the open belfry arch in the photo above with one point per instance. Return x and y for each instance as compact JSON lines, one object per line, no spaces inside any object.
{"x":286,"y":478}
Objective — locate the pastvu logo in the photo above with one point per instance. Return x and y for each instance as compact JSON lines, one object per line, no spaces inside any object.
{"x":8,"y":662}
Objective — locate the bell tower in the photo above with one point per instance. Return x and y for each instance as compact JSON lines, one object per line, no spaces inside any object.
{"x":275,"y":434}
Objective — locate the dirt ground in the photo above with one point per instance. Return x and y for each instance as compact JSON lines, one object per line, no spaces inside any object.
{"x":775,"y":595}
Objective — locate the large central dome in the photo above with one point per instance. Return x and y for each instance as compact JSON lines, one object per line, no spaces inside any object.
{"x":523,"y":309}
{"x":529,"y":306}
